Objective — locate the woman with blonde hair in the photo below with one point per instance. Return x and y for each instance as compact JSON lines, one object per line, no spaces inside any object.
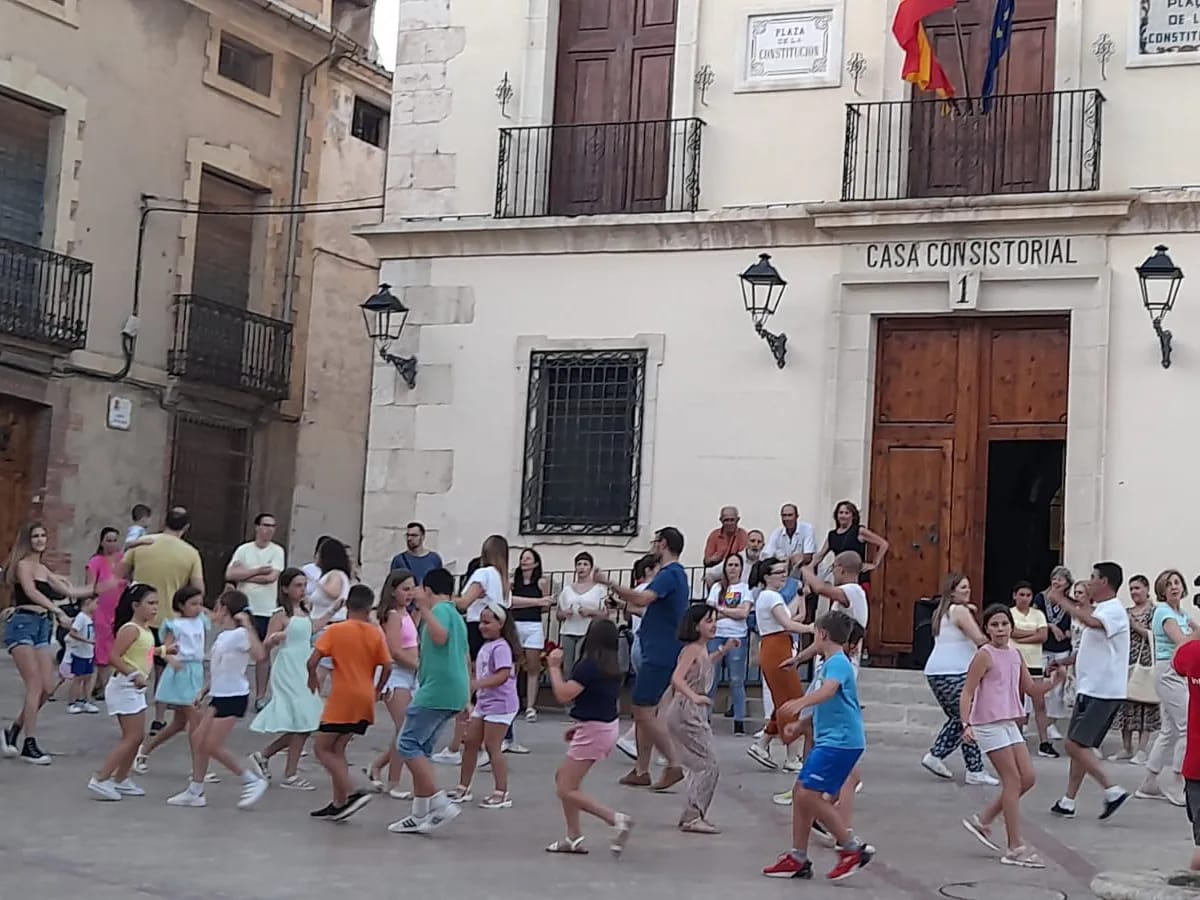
{"x":956,"y":637}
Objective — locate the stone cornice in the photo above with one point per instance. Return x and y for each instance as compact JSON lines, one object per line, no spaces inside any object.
{"x":786,"y":225}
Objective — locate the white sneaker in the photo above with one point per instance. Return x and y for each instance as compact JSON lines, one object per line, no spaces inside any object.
{"x":252,"y":792}
{"x":985,"y":778}
{"x":514,"y":748}
{"x":448,"y":757}
{"x":627,"y":745}
{"x":260,"y":765}
{"x":761,"y":756}
{"x":212,"y":778}
{"x":75,"y":708}
{"x":89,"y":707}
{"x":104,"y":790}
{"x":409,"y":825}
{"x":127,"y":788}
{"x":141,"y":762}
{"x":793,"y":764}
{"x":397,"y":794}
{"x":783,"y":798}
{"x":932,"y":764}
{"x":439,"y":817}
{"x":1053,"y":733}
{"x":1139,"y":759}
{"x":531,"y":715}
{"x":187,"y":798}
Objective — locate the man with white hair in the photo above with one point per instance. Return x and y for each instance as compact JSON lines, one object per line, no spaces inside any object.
{"x":723,"y":541}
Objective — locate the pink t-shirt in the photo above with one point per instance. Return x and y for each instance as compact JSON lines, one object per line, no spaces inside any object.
{"x":408,"y":632}
{"x":998,"y":696}
{"x":495,"y":701}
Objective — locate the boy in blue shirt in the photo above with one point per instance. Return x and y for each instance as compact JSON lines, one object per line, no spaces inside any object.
{"x":838,"y":741}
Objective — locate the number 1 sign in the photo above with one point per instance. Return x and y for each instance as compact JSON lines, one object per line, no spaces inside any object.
{"x":964,"y":290}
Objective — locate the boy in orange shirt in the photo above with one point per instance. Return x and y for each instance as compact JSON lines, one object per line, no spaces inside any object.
{"x":357,"y":649}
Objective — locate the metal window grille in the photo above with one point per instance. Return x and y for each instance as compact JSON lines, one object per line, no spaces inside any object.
{"x":583,"y":443}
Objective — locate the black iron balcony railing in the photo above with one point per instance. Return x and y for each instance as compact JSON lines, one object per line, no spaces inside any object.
{"x":223,"y":345}
{"x":609,"y":167}
{"x":971,"y":147}
{"x":44,"y":296}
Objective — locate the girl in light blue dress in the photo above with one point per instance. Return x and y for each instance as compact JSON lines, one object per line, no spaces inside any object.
{"x":293,"y":712}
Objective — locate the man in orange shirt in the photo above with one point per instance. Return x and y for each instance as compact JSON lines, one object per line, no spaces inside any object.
{"x":358,"y":649}
{"x":722,"y":542}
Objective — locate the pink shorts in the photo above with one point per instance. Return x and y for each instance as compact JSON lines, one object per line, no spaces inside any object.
{"x":593,"y":741}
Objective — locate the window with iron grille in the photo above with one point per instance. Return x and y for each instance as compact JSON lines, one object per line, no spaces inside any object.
{"x":583,"y":442}
{"x":246,"y":64}
{"x":369,"y":123}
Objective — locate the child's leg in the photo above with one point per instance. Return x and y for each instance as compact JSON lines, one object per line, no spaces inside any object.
{"x":74,"y":690}
{"x":802,"y":818}
{"x":294,"y":748}
{"x":216,"y":731}
{"x":568,"y":781}
{"x":281,"y":743}
{"x":116,"y":764}
{"x":178,"y":723}
{"x":331,"y":751}
{"x":493,"y":737}
{"x":1007,"y":803}
{"x":471,"y":742}
{"x":845,"y":799}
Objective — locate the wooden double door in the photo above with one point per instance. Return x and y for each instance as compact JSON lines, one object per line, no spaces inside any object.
{"x":18,"y":422}
{"x":945,"y":390}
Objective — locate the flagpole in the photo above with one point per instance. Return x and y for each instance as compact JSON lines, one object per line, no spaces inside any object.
{"x":962,"y":56}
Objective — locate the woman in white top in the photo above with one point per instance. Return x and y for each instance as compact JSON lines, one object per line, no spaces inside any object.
{"x":329,"y":596}
{"x":730,"y":597}
{"x":578,"y":604}
{"x":956,"y":637}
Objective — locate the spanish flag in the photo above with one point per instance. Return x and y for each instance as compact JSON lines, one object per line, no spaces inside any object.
{"x":920,"y":66}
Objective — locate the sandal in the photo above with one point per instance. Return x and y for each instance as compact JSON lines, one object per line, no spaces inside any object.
{"x":296,"y":783}
{"x":496,"y":800}
{"x":568,"y":845}
{"x":982,"y":833}
{"x":373,"y":780}
{"x":1024,"y":857}
{"x":460,"y":794}
{"x":621,"y":828}
{"x":699,"y":826}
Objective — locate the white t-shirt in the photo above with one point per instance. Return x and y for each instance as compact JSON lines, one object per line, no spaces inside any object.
{"x":736,"y":595}
{"x":85,"y":626}
{"x":766,"y":602}
{"x":189,"y":636}
{"x":574,"y":603}
{"x":264,"y":598}
{"x":858,"y":609}
{"x":230,"y":656}
{"x":321,"y":603}
{"x":635,"y":619}
{"x":1101,"y":666}
{"x":313,"y":573}
{"x":492,"y":583}
{"x":782,"y":546}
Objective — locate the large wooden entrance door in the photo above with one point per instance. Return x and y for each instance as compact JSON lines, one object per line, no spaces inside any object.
{"x":959,"y":149}
{"x":944,"y":389}
{"x":17,"y":422}
{"x":612,"y":102}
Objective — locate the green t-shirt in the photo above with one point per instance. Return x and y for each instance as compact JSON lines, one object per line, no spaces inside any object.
{"x":442,"y":675}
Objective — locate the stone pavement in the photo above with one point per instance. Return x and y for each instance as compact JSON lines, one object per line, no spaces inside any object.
{"x":56,"y":842}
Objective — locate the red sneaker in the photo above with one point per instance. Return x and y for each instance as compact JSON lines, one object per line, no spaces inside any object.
{"x":849,"y":862}
{"x":787,"y":866}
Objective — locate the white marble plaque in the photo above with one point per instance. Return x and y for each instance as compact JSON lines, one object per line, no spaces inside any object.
{"x":791,"y":49}
{"x":1164,"y":32}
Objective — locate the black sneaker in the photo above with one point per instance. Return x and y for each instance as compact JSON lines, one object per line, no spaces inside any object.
{"x":156,"y":727}
{"x":354,"y":803}
{"x":32,"y":753}
{"x":1111,"y":806}
{"x":729,"y":713}
{"x":1047,"y":750}
{"x":1059,"y":810}
{"x":739,"y":727}
{"x":325,"y":811}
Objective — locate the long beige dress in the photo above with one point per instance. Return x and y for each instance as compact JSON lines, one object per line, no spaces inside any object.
{"x":692,"y":734}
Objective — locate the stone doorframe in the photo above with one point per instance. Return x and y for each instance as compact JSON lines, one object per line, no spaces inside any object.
{"x":535,"y":99}
{"x":1081,"y":292}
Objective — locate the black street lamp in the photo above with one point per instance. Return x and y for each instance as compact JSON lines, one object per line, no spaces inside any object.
{"x":385,"y":316}
{"x":762,"y":287}
{"x":1160,"y":279}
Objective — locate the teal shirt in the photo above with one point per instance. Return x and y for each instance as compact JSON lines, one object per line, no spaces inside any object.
{"x":443,"y":682}
{"x":1164,"y":647}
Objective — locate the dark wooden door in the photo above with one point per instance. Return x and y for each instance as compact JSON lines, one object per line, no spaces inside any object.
{"x":958,"y":149}
{"x":17,"y":423}
{"x":610,"y":149}
{"x":944,"y":389}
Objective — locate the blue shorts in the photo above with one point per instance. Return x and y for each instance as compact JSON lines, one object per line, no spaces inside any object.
{"x":651,"y":682}
{"x":81,"y":666}
{"x":420,"y":730}
{"x":27,"y":629}
{"x":827,"y":768}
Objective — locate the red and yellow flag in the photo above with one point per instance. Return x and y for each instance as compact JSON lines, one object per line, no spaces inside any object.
{"x":920,"y":66}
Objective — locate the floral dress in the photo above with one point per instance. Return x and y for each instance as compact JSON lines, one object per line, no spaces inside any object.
{"x":1143,"y":718}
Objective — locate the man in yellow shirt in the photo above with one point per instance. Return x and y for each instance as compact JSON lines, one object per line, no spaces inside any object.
{"x":1029,"y":633}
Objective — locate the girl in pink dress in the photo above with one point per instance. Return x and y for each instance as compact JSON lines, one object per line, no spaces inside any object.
{"x":101,"y":574}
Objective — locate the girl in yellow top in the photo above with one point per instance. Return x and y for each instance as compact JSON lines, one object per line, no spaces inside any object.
{"x":125,"y":694}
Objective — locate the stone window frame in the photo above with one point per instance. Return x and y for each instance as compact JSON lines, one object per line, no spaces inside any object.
{"x":654,"y":344}
{"x":1083,"y":293}
{"x":65,"y":11}
{"x":212,"y":77}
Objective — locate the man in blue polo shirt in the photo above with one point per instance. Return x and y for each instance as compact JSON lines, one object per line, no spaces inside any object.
{"x":661,"y":605}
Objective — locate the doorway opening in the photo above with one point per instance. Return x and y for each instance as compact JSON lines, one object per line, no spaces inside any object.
{"x":1023,"y":529}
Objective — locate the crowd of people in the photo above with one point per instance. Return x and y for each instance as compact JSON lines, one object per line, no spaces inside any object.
{"x":445,"y":655}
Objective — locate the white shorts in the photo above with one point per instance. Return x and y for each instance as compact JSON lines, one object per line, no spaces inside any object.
{"x":531,"y":635}
{"x":495,"y":718}
{"x":997,"y":736}
{"x":122,"y":697}
{"x":401,"y":680}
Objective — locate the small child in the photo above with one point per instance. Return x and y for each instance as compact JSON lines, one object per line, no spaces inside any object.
{"x":595,"y":688}
{"x":125,"y":694}
{"x":81,"y":653}
{"x":140,"y":514}
{"x":838,"y":741}
{"x":993,"y":709}
{"x":1186,"y":665}
{"x":687,"y":717}
{"x":229,"y":690}
{"x":442,"y":693}
{"x":358,"y":651}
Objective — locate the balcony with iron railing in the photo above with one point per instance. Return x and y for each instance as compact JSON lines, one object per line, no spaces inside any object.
{"x":593,"y":169}
{"x":45,"y":297}
{"x":226,"y":346}
{"x":973,"y":147}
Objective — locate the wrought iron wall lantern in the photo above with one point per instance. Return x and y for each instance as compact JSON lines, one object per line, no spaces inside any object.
{"x":762,"y":287}
{"x":1160,"y":279}
{"x":385,"y":316}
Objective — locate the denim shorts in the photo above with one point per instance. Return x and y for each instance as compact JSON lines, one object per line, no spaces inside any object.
{"x":420,"y":730}
{"x":650,"y":683}
{"x":27,"y":629}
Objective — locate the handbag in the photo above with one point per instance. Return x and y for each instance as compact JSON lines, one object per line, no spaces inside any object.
{"x":1140,"y":687}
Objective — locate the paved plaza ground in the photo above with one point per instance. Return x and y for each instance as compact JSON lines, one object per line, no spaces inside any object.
{"x":57,"y":842}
